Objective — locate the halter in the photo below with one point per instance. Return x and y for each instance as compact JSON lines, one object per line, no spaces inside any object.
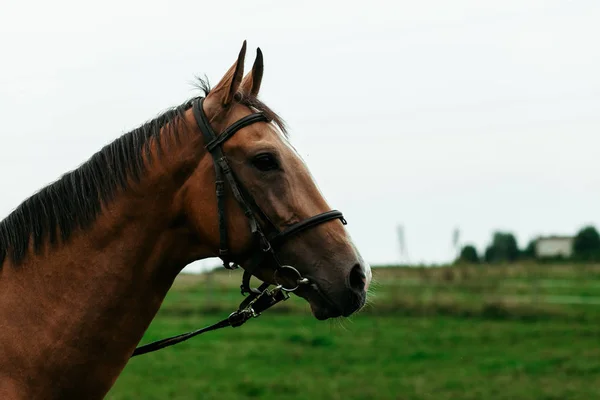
{"x":261,"y":298}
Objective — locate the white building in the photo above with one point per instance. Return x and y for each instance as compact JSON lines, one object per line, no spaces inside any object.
{"x":554,"y":246}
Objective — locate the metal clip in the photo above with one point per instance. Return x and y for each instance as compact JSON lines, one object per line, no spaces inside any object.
{"x":238,"y":318}
{"x":265,"y":244}
{"x":230,"y":265}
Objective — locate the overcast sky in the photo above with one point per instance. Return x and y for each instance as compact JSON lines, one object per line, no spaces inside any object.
{"x":433,"y":114}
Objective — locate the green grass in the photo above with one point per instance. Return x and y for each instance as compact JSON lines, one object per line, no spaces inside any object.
{"x":433,"y":338}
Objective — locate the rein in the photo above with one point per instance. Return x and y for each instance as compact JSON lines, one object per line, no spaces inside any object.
{"x":258,"y":304}
{"x":261,"y":298}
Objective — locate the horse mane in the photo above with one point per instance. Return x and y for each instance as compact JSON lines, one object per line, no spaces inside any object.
{"x":75,"y":200}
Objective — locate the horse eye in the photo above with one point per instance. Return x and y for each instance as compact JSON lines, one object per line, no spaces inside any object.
{"x":265,"y":162}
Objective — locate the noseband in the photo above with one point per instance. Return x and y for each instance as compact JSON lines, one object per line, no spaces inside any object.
{"x":261,"y":298}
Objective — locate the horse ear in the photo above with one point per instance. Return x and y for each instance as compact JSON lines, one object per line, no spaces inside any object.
{"x":252,"y":81}
{"x":230,"y":83}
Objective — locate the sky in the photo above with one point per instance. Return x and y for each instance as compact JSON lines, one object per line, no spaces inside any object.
{"x":430,"y":115}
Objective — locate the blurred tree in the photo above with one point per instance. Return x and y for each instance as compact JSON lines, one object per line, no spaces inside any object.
{"x":488,"y":256}
{"x":586,"y":246}
{"x":503,"y":248}
{"x":468,"y":255}
{"x":528,"y":252}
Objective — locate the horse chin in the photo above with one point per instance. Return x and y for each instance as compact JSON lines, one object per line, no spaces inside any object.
{"x":321,"y":307}
{"x":322,"y":313}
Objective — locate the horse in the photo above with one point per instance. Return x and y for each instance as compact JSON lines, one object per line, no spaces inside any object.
{"x":86,"y":262}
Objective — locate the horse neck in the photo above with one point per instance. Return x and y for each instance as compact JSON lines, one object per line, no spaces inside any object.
{"x":89,"y":301}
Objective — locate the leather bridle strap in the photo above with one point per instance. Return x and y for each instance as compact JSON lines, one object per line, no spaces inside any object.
{"x":251,"y":307}
{"x":223,"y":170}
{"x":277,"y":239}
{"x":233,"y":128}
{"x":308,"y":223}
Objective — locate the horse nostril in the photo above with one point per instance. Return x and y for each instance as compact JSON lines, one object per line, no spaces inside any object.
{"x":357,"y":278}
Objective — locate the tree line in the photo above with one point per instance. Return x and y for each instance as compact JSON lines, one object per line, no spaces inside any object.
{"x":504,"y":249}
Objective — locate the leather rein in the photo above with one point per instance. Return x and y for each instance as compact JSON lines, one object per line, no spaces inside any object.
{"x":261,"y":298}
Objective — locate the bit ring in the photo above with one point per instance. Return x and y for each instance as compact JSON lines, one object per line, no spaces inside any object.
{"x":295,"y":275}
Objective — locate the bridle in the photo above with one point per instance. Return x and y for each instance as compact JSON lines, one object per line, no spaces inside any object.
{"x":261,"y":298}
{"x":224,"y":173}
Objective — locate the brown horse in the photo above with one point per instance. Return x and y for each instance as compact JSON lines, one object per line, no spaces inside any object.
{"x":86,"y":262}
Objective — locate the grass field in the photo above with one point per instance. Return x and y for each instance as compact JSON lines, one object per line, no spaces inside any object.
{"x":519,"y":332}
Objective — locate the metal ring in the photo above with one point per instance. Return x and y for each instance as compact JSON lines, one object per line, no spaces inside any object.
{"x":299,"y":281}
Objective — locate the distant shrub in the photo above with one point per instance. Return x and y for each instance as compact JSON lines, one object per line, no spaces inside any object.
{"x":586,"y":246}
{"x":468,"y":255}
{"x":503,"y":248}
